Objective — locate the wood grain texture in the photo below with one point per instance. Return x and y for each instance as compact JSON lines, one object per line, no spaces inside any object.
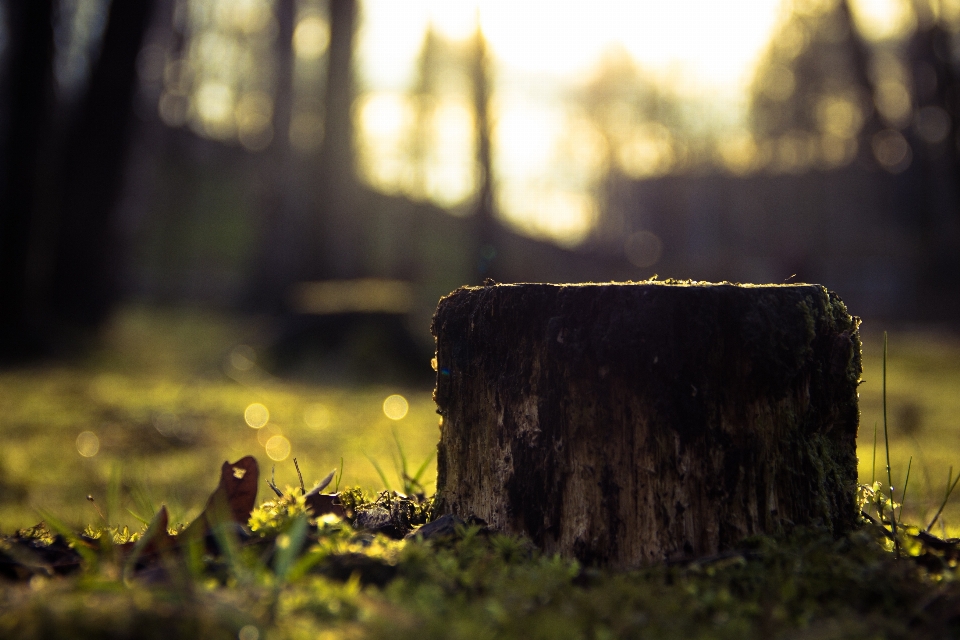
{"x":629,"y":423}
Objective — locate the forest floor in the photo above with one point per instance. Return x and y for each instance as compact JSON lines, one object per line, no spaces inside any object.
{"x":149,"y":419}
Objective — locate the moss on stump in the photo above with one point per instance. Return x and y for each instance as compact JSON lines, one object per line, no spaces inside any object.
{"x":629,"y":423}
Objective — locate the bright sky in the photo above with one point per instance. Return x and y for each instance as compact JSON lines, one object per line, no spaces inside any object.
{"x":715,"y":40}
{"x":702,"y":47}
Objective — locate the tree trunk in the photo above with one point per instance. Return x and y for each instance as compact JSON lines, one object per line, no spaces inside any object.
{"x":26,"y":98}
{"x":624,"y":424}
{"x":87,"y":266}
{"x":341,"y":223}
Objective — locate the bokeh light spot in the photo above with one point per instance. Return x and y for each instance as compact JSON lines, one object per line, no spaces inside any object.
{"x":643,"y":248}
{"x":933,"y":124}
{"x":263,"y":435}
{"x":317,"y":416}
{"x":893,"y":101}
{"x":278,"y":448}
{"x":311,"y":37}
{"x":88,"y":444}
{"x":778,"y":83}
{"x":395,"y":407}
{"x":249,"y":632}
{"x":256,"y":415}
{"x":166,"y":423}
{"x":214,"y":102}
{"x":839,"y":116}
{"x":891,"y":150}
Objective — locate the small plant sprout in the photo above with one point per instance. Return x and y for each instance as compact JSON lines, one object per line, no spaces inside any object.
{"x":411,"y":484}
{"x":272,"y":482}
{"x":97,"y":507}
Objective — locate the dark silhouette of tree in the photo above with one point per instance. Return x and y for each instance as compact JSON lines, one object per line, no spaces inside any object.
{"x":279,"y":252}
{"x":86,"y":267}
{"x":59,"y":260}
{"x":313,"y":227}
{"x":486,"y":224}
{"x":930,"y":195}
{"x":341,"y":229}
{"x":27,"y":116}
{"x":424,"y":98}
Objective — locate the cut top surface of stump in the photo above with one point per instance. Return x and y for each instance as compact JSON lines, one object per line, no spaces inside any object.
{"x":761,"y":335}
{"x":606,"y":421}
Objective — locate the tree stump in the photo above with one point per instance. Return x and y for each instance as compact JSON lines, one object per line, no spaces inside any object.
{"x":629,"y":423}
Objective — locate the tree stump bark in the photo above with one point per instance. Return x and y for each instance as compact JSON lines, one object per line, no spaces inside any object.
{"x":624,"y":424}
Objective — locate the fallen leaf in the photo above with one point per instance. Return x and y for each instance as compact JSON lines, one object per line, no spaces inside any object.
{"x":233,"y":499}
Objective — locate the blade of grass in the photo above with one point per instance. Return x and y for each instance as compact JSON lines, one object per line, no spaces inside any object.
{"x":288,"y":547}
{"x":423,"y":467}
{"x":340,"y":475}
{"x":113,"y":494}
{"x":886,"y":441}
{"x":194,"y":549}
{"x":906,"y":482}
{"x":143,"y":501}
{"x":222,"y":528}
{"x":946,"y":497}
{"x":402,"y":465}
{"x":873,"y":477}
{"x":138,"y":517}
{"x":383,"y":476}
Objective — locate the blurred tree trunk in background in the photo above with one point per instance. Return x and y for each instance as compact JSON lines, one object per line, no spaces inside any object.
{"x":486,"y":250}
{"x":28,"y":114}
{"x":87,"y":269}
{"x":931,"y":202}
{"x":341,"y":223}
{"x":279,"y":234}
{"x":58,"y":261}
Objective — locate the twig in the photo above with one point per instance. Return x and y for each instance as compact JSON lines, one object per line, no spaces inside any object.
{"x":303,"y":489}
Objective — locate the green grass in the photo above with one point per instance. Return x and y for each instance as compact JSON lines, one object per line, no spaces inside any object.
{"x":923,"y":406}
{"x":176,"y":373}
{"x":174,"y":370}
{"x":177,"y":363}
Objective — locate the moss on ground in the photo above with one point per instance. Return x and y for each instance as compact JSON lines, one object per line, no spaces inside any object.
{"x":340,"y":581}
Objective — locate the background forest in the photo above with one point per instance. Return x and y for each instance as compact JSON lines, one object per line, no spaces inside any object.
{"x":211,"y":204}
